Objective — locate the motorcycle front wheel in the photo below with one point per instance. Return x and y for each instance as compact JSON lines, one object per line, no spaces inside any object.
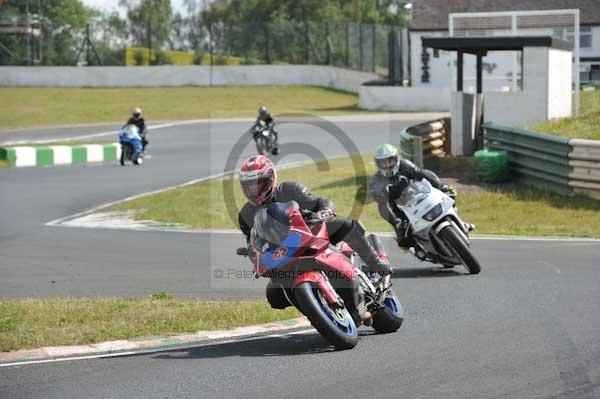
{"x":335,"y":325}
{"x":461,"y":249}
{"x":126,"y":151}
{"x":261,"y":145}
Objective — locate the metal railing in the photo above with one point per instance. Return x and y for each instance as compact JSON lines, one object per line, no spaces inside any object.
{"x":552,"y":163}
{"x":366,"y":47}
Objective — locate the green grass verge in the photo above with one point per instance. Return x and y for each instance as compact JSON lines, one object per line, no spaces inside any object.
{"x":586,"y":125}
{"x":522,"y":212}
{"x":34,"y":107}
{"x":32,"y":323}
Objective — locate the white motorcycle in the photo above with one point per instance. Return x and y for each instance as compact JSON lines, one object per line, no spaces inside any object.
{"x":439,"y":235}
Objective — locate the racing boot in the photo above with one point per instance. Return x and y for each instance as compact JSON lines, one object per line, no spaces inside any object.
{"x":403,"y":238}
{"x":275,"y":139}
{"x":360,"y":244}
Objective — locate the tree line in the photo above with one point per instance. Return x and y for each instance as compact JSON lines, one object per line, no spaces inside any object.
{"x":265,"y":31}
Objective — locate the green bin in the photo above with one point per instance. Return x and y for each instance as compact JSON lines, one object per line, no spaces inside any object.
{"x":492,"y":166}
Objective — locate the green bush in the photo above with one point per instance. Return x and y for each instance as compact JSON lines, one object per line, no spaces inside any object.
{"x":138,"y":58}
{"x":220,"y":60}
{"x":250,"y":61}
{"x":161,"y":59}
{"x":198,"y":57}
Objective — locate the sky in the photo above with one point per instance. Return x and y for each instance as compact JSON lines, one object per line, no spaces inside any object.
{"x":110,"y":5}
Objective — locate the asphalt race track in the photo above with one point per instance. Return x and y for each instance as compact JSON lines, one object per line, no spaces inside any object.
{"x":527,"y":327}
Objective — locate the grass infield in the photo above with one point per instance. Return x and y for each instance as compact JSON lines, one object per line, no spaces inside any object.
{"x":35,"y":107}
{"x":520,"y":212}
{"x":32,"y":323}
{"x":586,"y":125}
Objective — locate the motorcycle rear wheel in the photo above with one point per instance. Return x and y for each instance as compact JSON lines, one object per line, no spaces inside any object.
{"x":453,"y":240}
{"x":336,"y":326}
{"x":390,"y":318}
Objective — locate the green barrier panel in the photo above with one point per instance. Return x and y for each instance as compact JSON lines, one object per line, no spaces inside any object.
{"x":44,"y":156}
{"x":110,"y":152}
{"x":538,"y":142}
{"x":79,"y":154}
{"x":513,"y":150}
{"x":9,"y":155}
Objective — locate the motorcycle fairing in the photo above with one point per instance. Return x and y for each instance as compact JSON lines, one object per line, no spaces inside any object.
{"x":322,"y":283}
{"x":289,"y":247}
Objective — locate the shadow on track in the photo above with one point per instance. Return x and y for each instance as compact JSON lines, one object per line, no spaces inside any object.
{"x":428,"y":272}
{"x":288,"y":345}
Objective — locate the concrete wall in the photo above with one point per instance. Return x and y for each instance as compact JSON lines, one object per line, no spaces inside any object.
{"x":516,"y":109}
{"x":546,"y":91}
{"x":394,"y":98}
{"x":559,"y":83}
{"x":239,"y":75}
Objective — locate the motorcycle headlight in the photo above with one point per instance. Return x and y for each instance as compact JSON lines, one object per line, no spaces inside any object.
{"x":433,"y":213}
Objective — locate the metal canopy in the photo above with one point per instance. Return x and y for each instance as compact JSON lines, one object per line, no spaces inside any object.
{"x":481,"y":45}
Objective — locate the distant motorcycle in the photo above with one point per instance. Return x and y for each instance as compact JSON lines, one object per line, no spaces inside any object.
{"x":131,"y":145}
{"x":440,"y":236}
{"x":292,"y":248}
{"x":264,"y":138}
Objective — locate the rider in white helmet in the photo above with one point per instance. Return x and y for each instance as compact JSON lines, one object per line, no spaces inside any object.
{"x":391,"y":170}
{"x":137,"y":119}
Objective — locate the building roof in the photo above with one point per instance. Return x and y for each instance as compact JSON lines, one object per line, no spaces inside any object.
{"x":481,"y":45}
{"x":433,"y":14}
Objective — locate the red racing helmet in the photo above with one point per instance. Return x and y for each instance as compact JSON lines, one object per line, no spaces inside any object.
{"x":258,"y":179}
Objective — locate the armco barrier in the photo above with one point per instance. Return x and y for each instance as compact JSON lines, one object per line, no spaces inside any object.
{"x":553,"y":163}
{"x":584,"y":160}
{"x":425,"y":142}
{"x":59,"y":154}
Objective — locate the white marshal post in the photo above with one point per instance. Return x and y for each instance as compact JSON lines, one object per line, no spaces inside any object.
{"x":563,"y":24}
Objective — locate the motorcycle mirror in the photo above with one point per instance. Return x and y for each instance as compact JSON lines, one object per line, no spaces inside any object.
{"x":242,"y":251}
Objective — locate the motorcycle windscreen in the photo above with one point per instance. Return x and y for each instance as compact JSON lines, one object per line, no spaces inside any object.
{"x":130,"y":131}
{"x":271,"y":235}
{"x":415,"y":193}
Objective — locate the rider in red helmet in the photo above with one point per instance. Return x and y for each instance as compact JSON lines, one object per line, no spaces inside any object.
{"x":258,"y":179}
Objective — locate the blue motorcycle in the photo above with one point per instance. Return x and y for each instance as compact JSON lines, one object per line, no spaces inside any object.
{"x":131,"y":145}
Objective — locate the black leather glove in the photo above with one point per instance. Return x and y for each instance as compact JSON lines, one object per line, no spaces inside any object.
{"x":395,"y":190}
{"x":448,"y":190}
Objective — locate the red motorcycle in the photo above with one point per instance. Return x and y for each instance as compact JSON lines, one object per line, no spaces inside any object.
{"x":292,"y":248}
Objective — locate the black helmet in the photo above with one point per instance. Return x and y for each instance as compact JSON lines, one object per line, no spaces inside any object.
{"x":262,"y":111}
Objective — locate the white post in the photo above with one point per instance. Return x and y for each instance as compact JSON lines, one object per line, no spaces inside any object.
{"x":576,"y":55}
{"x":515,"y":55}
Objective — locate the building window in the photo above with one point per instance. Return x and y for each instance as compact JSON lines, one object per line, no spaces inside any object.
{"x":585,"y":36}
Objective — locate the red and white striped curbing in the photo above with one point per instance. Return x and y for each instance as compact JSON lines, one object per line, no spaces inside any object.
{"x":146,"y":343}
